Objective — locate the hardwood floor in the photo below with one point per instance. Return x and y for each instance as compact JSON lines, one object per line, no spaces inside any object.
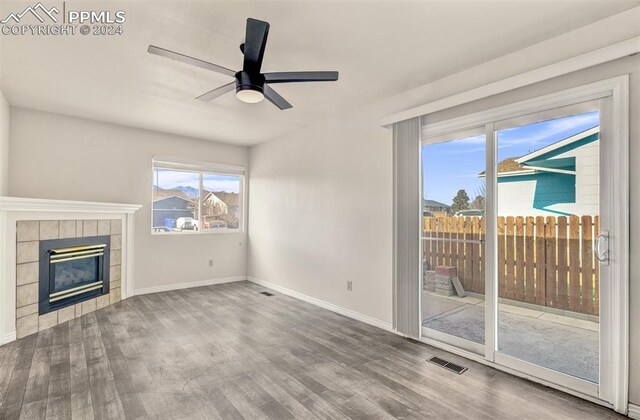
{"x":229,"y":352}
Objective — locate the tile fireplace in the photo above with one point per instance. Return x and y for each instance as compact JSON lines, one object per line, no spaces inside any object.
{"x":73,"y":270}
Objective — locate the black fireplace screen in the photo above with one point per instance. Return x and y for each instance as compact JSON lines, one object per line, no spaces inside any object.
{"x":73,"y":270}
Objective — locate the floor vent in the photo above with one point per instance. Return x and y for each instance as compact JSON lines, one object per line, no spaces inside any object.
{"x":266,"y":293}
{"x":448,"y":365}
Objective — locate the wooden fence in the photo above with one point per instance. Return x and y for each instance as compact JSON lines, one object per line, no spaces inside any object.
{"x":545,"y":261}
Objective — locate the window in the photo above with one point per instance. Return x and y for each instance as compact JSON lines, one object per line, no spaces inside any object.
{"x":196,"y":197}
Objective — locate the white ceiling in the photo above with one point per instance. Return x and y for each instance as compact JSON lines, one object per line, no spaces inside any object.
{"x":381,"y":48}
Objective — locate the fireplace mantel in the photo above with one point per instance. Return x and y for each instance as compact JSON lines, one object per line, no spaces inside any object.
{"x":19,"y":204}
{"x":16,"y":209}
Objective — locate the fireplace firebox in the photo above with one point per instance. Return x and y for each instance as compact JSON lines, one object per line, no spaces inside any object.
{"x":73,"y":270}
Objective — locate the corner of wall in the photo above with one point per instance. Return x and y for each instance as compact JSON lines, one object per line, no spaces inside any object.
{"x":4,"y":145}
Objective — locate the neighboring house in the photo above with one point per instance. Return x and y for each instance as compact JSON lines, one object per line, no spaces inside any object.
{"x":232,"y":200}
{"x":214,"y":206}
{"x":559,"y":179}
{"x":171,"y":208}
{"x":221,"y":209}
{"x":436,"y":208}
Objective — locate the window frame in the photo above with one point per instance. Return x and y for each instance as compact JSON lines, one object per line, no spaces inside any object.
{"x":202,"y":169}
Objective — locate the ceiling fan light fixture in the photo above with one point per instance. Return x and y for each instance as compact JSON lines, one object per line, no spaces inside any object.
{"x":250,"y":96}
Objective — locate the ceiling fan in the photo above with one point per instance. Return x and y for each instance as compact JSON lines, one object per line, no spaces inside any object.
{"x":250,"y":85}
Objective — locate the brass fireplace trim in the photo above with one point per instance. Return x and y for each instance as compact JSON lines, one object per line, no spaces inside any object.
{"x":59,"y":260}
{"x":53,"y":297}
{"x":76,"y":253}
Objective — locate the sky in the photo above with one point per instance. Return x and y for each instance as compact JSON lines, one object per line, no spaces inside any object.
{"x":168,"y":179}
{"x":450,"y":166}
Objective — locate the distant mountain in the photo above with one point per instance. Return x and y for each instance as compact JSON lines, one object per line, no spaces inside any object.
{"x":190,"y":191}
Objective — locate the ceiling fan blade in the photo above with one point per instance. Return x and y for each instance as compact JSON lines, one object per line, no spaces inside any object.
{"x":254,"y":45}
{"x":190,"y":60}
{"x":275,"y":98}
{"x":301,"y":76}
{"x":219,"y":91}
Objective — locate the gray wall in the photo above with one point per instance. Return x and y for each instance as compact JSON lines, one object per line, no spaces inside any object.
{"x":59,"y":157}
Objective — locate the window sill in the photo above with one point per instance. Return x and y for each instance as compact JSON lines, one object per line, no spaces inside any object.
{"x":198,"y":232}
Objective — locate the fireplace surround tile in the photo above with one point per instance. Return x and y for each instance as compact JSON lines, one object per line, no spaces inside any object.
{"x":27,"y":310}
{"x":79,"y":224}
{"x":104,"y":227}
{"x":28,"y":231}
{"x":27,"y":252}
{"x":27,"y":295}
{"x":47,"y":320}
{"x":114,"y":273}
{"x":102,"y":301}
{"x":116,"y":227}
{"x":116,"y":242}
{"x":48,"y":229}
{"x":66,"y":314}
{"x":116,"y":257}
{"x":27,"y":325}
{"x":27,"y":273}
{"x":88,"y":306}
{"x":67,"y":229}
{"x":90,"y":228}
{"x":114,"y":296}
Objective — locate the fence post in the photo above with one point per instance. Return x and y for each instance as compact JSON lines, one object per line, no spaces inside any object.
{"x":530,"y":259}
{"x":563,"y":302}
{"x":550,"y":260}
{"x":574,"y":264}
{"x":541,"y":276}
{"x":587,"y":265}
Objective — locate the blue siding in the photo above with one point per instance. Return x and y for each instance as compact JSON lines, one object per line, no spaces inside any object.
{"x":551,"y":188}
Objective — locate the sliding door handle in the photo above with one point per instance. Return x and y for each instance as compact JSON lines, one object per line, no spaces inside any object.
{"x":602,"y":247}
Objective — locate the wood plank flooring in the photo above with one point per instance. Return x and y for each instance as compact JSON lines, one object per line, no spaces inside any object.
{"x":228,"y":352}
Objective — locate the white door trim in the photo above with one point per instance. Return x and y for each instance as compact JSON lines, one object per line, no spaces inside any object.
{"x":613,"y":387}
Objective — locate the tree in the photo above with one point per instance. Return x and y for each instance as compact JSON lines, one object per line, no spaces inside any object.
{"x":479,"y":201}
{"x":460,"y":201}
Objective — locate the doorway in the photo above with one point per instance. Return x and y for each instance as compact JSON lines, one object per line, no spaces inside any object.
{"x":519,"y":218}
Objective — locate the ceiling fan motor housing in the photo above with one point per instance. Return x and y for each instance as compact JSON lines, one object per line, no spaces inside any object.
{"x":247,"y":81}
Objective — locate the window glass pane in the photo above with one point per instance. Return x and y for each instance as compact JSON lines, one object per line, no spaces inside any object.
{"x":453,"y":229}
{"x":221,"y":202}
{"x":175,"y":201}
{"x":548,"y":218}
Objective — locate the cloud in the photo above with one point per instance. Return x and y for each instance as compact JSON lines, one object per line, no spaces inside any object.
{"x":546,"y":131}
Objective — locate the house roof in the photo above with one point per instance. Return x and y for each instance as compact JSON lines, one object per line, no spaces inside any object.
{"x":434,"y":203}
{"x":159,"y":193}
{"x":557,"y":145}
{"x":157,"y":199}
{"x":230,"y":199}
{"x":519,"y":165}
{"x":509,"y":165}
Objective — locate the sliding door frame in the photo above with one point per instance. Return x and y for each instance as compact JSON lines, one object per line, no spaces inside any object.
{"x":613,"y":94}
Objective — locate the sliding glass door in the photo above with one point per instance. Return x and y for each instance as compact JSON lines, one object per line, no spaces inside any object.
{"x":548,"y":217}
{"x":518,"y":216}
{"x":453,"y":234}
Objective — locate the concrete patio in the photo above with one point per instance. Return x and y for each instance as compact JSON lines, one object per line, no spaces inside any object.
{"x":553,"y":340}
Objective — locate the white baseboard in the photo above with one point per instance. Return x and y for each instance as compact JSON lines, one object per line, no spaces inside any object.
{"x":634,"y":411}
{"x":176,"y":286}
{"x":7,"y":338}
{"x":326,"y":305}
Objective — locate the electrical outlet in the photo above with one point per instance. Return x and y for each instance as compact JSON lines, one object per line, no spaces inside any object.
{"x":349,"y":285}
{"x":210,"y":263}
